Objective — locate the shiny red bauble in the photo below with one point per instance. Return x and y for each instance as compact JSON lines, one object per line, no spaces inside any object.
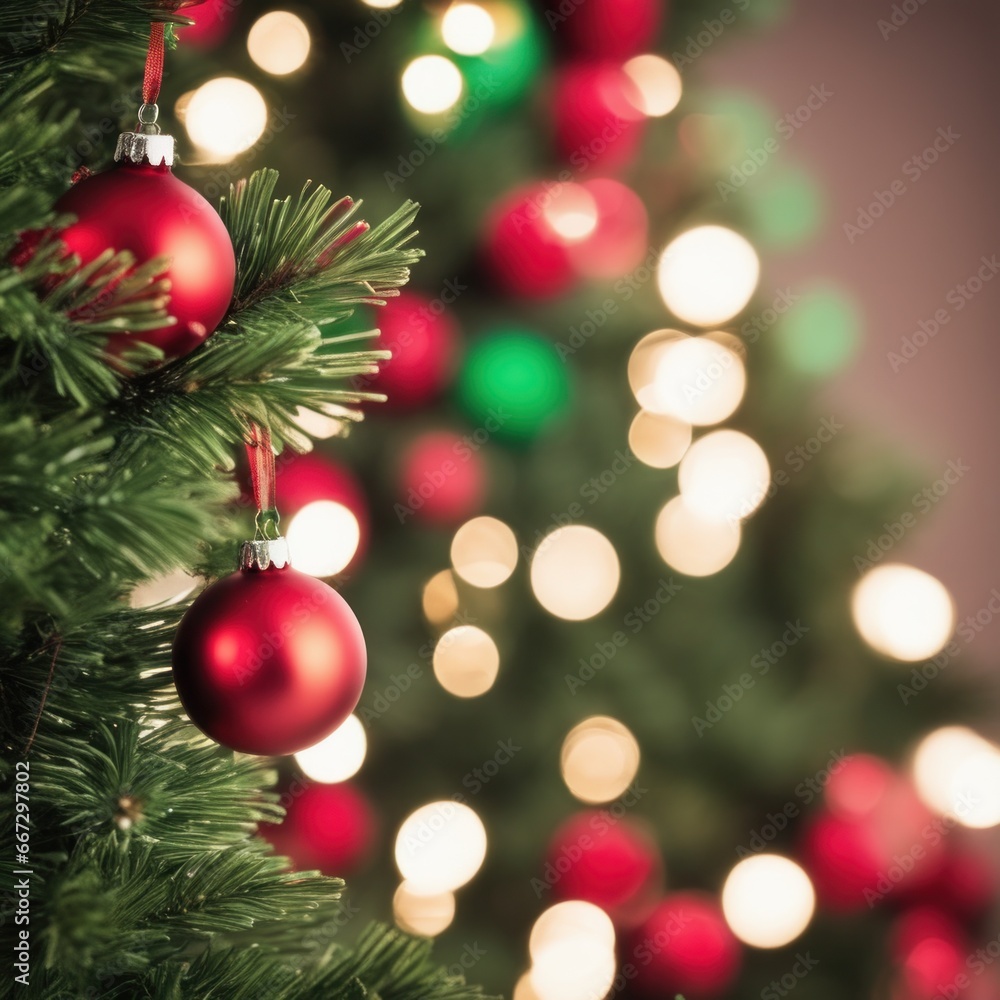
{"x":329,"y":827}
{"x":602,"y":859}
{"x":150,"y":212}
{"x":269,"y":661}
{"x":441,"y":479}
{"x":424,"y":341}
{"x":684,"y":946}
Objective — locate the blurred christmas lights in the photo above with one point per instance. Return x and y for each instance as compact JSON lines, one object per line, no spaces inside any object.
{"x":440,"y":847}
{"x":440,"y":598}
{"x":425,"y":916}
{"x":484,"y":552}
{"x":225,"y":117}
{"x":432,"y":84}
{"x":724,"y":476}
{"x":658,"y":84}
{"x":768,"y":901}
{"x":166,"y":590}
{"x":575,"y":572}
{"x":572,"y":948}
{"x":468,"y":28}
{"x":599,"y":759}
{"x":903,"y":612}
{"x":323,"y":538}
{"x":692,"y":544}
{"x":698,"y":380}
{"x":658,"y":441}
{"x":339,"y":756}
{"x":279,"y":42}
{"x":957,"y":773}
{"x":707,"y":275}
{"x":466,"y":661}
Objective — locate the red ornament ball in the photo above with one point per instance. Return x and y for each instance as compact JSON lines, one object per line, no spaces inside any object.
{"x":612,"y":29}
{"x":424,"y":341}
{"x":269,"y":661}
{"x":596,"y":115}
{"x":441,"y":479}
{"x":150,"y":212}
{"x":684,"y":946}
{"x":603,"y":860}
{"x":523,"y":252}
{"x":329,"y":827}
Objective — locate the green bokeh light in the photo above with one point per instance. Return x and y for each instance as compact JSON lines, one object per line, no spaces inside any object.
{"x":515,"y":376}
{"x":819,"y":334}
{"x":736,"y":122}
{"x":785,"y":208}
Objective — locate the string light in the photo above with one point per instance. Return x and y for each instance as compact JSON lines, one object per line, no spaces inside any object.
{"x":724,"y":476}
{"x":466,"y":661}
{"x":339,"y":756}
{"x":574,"y":918}
{"x":468,"y":29}
{"x":658,"y":441}
{"x":658,"y":84}
{"x":957,"y":773}
{"x":575,"y":572}
{"x":695,"y":545}
{"x":440,"y":846}
{"x":572,"y":949}
{"x":707,"y":275}
{"x":440,"y":598}
{"x":225,"y":116}
{"x":903,"y":612}
{"x":425,"y":916}
{"x":323,"y":538}
{"x":768,"y":901}
{"x":279,"y":42}
{"x":599,"y":759}
{"x":432,"y":84}
{"x":484,"y":552}
{"x":698,"y":380}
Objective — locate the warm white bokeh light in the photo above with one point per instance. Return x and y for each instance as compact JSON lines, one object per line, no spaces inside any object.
{"x":425,"y":916}
{"x":957,"y":773}
{"x":484,"y":552}
{"x":658,"y":83}
{"x":166,"y":590}
{"x":225,"y":116}
{"x":323,"y":538}
{"x":697,"y":380}
{"x":572,"y":948}
{"x":599,"y":759}
{"x":575,"y":572}
{"x":658,"y":441}
{"x":319,"y":425}
{"x":523,"y":990}
{"x":644,"y":361}
{"x":724,"y":476}
{"x":903,"y":612}
{"x":707,"y":275}
{"x":432,"y":84}
{"x":468,"y":29}
{"x":279,"y":42}
{"x":695,"y":545}
{"x":440,"y":847}
{"x":466,"y":661}
{"x":382,"y":4}
{"x":571,"y":212}
{"x":573,"y":919}
{"x":339,"y":756}
{"x":440,"y":598}
{"x":768,"y":900}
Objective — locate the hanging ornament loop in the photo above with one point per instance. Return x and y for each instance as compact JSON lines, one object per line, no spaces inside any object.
{"x":261,"y":458}
{"x":153,"y":76}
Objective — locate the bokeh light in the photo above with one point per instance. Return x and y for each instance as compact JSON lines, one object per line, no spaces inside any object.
{"x":785,"y":208}
{"x":707,"y":275}
{"x":599,"y":759}
{"x":466,"y":661}
{"x":440,"y":598}
{"x":572,"y":951}
{"x":323,"y":538}
{"x":339,"y":756}
{"x":225,"y":117}
{"x":431,"y":84}
{"x":643,"y":363}
{"x":820,"y":333}
{"x":575,"y":572}
{"x":658,"y":441}
{"x":166,"y":590}
{"x":484,"y":552}
{"x":768,"y":900}
{"x":571,"y":212}
{"x":279,"y":42}
{"x":692,"y":544}
{"x":425,"y":916}
{"x":468,"y":28}
{"x":724,"y":476}
{"x":658,"y":84}
{"x":619,"y":240}
{"x":957,"y":773}
{"x":439,"y":847}
{"x":382,"y":4}
{"x":698,"y":380}
{"x":574,"y":918}
{"x":903,"y":612}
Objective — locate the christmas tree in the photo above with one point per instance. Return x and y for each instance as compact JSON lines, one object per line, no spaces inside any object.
{"x":130,"y":379}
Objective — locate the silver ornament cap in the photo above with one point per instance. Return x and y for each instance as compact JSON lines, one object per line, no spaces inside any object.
{"x":146,"y":143}
{"x":263,"y":553}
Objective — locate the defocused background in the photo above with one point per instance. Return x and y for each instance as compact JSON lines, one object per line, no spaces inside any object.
{"x":671,"y":544}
